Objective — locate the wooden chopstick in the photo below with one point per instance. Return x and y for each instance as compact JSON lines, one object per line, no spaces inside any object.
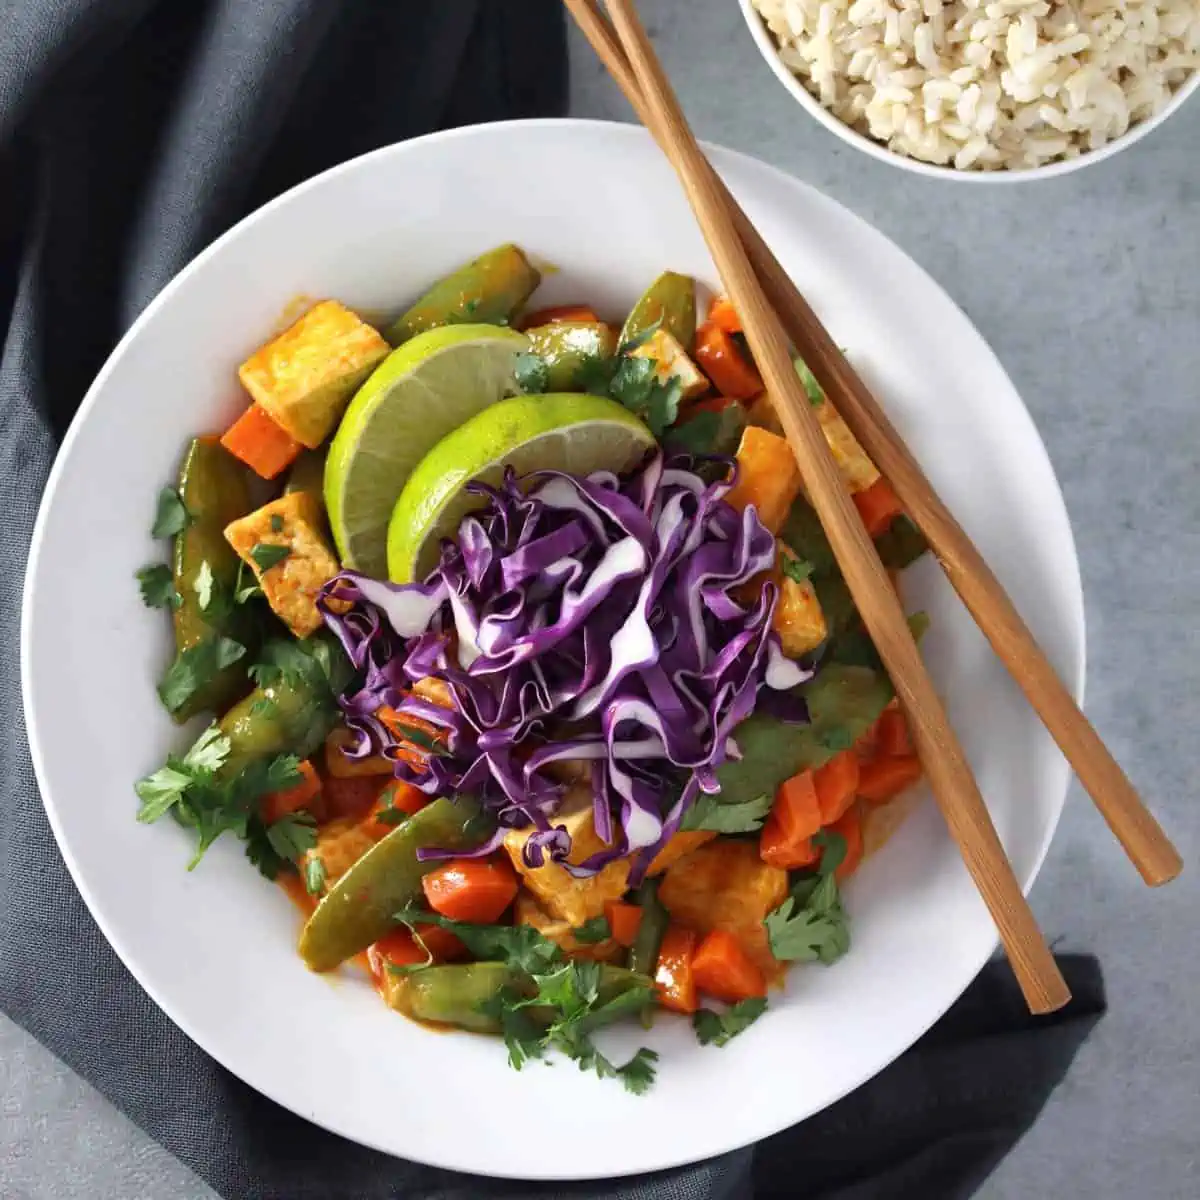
{"x":944,"y":762}
{"x":1132,"y":823}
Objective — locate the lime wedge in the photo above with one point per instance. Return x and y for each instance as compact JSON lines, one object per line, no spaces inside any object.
{"x":564,"y":432}
{"x":418,"y":394}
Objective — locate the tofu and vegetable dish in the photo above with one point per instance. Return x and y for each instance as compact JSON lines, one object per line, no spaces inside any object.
{"x":530,"y":671}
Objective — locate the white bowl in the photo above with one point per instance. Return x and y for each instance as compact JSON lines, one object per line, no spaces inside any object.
{"x":214,"y":948}
{"x":876,"y":149}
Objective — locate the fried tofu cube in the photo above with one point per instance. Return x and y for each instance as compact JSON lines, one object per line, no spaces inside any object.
{"x":799,"y":619}
{"x":672,"y":362}
{"x":761,"y":412}
{"x":726,"y":885}
{"x":340,"y":844}
{"x":563,"y":895}
{"x":680,"y":844}
{"x":529,"y":912}
{"x":304,"y":377}
{"x":290,"y":581}
{"x":855,"y":467}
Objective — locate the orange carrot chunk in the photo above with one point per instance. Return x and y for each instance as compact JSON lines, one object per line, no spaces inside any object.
{"x":561,"y":312}
{"x":723,"y":362}
{"x":722,"y":314}
{"x":471,"y":889}
{"x":290,"y":800}
{"x":776,"y":849}
{"x":624,"y":920}
{"x":849,"y":826}
{"x":836,"y":785}
{"x":883,"y":779}
{"x":878,"y":506}
{"x":723,"y":969}
{"x":265,"y":447}
{"x":397,"y":801}
{"x":892,"y":739}
{"x":673,"y":977}
{"x":798,"y":804}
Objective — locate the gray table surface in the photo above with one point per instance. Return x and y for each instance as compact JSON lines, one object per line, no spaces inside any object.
{"x":1088,"y":288}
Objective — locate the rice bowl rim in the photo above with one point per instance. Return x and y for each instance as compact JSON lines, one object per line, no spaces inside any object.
{"x":878,"y":150}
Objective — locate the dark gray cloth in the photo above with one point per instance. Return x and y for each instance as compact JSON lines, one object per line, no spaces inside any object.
{"x":132,"y":132}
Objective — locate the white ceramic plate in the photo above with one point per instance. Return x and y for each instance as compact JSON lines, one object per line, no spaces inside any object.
{"x":214,"y":948}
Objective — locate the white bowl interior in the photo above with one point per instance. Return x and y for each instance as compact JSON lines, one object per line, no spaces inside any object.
{"x":215,"y":948}
{"x":770,"y":52}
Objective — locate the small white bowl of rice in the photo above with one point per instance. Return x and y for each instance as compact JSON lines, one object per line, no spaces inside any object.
{"x":984,"y":90}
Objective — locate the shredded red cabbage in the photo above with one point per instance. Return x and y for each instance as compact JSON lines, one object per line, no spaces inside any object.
{"x":576,"y":619}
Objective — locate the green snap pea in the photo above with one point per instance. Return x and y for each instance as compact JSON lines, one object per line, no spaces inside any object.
{"x":643,"y":955}
{"x":214,"y":490}
{"x":568,"y":347}
{"x":360,"y":907}
{"x":901,"y":544}
{"x":669,"y":303}
{"x":486,"y":291}
{"x":459,"y":994}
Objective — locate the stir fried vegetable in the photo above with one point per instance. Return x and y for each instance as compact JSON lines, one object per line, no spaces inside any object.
{"x":618,"y":751}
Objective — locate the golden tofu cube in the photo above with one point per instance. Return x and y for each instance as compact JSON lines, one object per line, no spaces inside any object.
{"x":289,"y":581}
{"x":305,"y":377}
{"x":672,"y":362}
{"x":726,"y":885}
{"x":680,"y":845}
{"x":562,"y":894}
{"x":762,"y":414}
{"x":340,"y":844}
{"x":855,"y":467}
{"x":529,"y":912}
{"x":799,"y":619}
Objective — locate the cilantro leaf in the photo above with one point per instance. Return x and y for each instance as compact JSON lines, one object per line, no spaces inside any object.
{"x":243,"y":591}
{"x":636,"y":385}
{"x":718,"y":1029}
{"x":202,"y":585}
{"x":593,"y":931}
{"x":276,"y":523}
{"x":292,"y":834}
{"x":520,"y":946}
{"x":816,"y":397}
{"x":170,"y":514}
{"x":796,"y":569}
{"x":314,"y":874}
{"x":638,"y":1073}
{"x":162,"y":789}
{"x":522,"y":1036}
{"x":838,"y":739}
{"x":696,"y":436}
{"x":158,"y":587}
{"x":709,"y":813}
{"x":811,"y":929}
{"x":267,"y":555}
{"x":833,"y":851}
{"x":195,"y":667}
{"x":531,"y":373}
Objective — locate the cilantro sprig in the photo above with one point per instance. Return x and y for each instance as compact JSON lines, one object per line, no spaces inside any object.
{"x":567,"y":996}
{"x":709,"y":813}
{"x":720,"y":1028}
{"x":170,"y":514}
{"x":811,"y":924}
{"x":158,"y":587}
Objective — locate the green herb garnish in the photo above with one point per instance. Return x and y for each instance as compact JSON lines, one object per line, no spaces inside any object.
{"x":276,"y":523}
{"x":266,"y":555}
{"x":709,"y":813}
{"x":593,"y":931}
{"x":170,"y":514}
{"x":195,"y":667}
{"x":158,"y":587}
{"x":314,"y":875}
{"x":718,"y":1029}
{"x":816,"y":397}
{"x":202,"y":585}
{"x":796,"y":569}
{"x":810,"y":925}
{"x":531,"y":373}
{"x":293,"y":834}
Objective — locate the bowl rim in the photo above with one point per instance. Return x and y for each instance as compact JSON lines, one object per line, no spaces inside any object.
{"x":877,"y":150}
{"x":1076,"y":683}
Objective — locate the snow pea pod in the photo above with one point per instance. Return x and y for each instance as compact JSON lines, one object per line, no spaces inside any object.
{"x":461,"y":994}
{"x":669,"y":303}
{"x":487,"y":290}
{"x":643,"y":955}
{"x":567,"y":348}
{"x":360,"y":908}
{"x":214,"y":490}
